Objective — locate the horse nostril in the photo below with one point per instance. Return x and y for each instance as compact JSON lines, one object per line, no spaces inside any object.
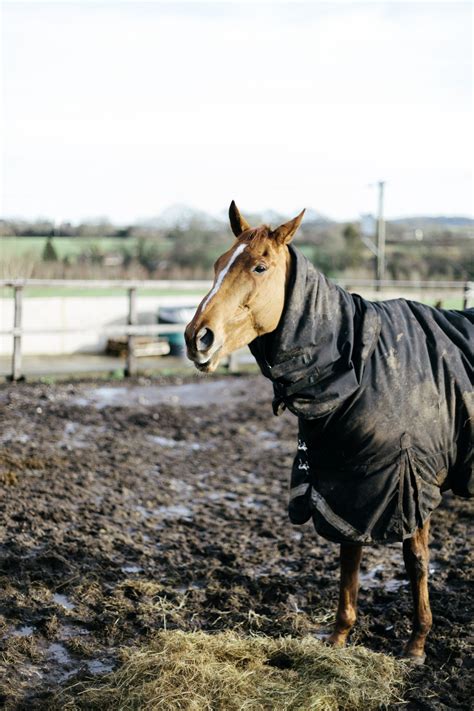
{"x":204,"y":339}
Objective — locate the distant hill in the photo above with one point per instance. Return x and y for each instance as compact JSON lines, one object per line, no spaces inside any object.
{"x":425,"y":221}
{"x":314,"y":217}
{"x":183,"y":216}
{"x":273,"y":218}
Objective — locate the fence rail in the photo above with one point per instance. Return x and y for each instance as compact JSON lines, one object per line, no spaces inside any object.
{"x":132,"y":329}
{"x":189,"y":285}
{"x":205,"y":284}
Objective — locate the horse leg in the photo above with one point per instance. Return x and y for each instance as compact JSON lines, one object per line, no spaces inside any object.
{"x":416,"y":556}
{"x":349,"y":586}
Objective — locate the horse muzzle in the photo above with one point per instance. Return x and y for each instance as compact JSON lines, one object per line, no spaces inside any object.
{"x":202,"y":348}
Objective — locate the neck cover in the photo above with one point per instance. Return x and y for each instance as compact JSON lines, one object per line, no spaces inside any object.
{"x":316,"y":356}
{"x":383,"y":393}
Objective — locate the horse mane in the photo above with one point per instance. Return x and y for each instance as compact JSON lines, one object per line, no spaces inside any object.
{"x":257,"y":232}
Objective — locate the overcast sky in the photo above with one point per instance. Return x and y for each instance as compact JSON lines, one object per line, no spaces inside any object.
{"x":121,"y":108}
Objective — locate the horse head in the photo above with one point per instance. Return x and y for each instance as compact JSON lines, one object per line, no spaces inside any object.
{"x":248,"y":294}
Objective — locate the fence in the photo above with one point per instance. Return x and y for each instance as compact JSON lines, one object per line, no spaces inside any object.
{"x":133,"y":329}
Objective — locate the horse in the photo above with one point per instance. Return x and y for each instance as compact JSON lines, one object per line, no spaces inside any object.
{"x":382,"y":392}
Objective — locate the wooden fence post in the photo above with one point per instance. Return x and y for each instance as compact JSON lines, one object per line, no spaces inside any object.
{"x":468,"y":292}
{"x":131,"y":363}
{"x":17,"y":334}
{"x":232,"y":363}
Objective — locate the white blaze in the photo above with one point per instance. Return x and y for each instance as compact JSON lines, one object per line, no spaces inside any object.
{"x":221,"y":276}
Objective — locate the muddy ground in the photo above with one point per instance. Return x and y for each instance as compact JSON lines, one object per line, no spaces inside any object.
{"x":126,"y":508}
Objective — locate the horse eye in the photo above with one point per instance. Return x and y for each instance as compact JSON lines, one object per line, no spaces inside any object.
{"x":260,"y":268}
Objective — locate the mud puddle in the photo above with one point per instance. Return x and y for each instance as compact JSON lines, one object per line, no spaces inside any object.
{"x":376,"y":578}
{"x":197,"y":394}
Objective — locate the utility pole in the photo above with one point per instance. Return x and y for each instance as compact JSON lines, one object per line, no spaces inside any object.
{"x":380,"y":236}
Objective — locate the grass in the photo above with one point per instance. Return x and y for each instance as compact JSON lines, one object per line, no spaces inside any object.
{"x":72,"y":247}
{"x":65,"y":246}
{"x":42,"y":291}
{"x":196,"y":671}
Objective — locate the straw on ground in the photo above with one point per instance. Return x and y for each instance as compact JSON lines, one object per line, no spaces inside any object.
{"x":181,"y":671}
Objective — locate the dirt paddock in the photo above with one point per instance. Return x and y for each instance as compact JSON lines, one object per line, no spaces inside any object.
{"x":128,"y":508}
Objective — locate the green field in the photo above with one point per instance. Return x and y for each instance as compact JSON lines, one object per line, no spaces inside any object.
{"x":12,"y":248}
{"x":42,"y":291}
{"x":65,"y":246}
{"x":72,"y":247}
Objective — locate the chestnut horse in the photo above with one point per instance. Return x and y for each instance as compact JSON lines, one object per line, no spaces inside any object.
{"x":250,"y":291}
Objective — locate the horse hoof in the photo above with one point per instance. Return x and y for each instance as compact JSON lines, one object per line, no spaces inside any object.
{"x":336,"y":640}
{"x":416,"y":659}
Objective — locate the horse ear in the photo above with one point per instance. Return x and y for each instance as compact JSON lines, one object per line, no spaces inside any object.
{"x":238,"y":223}
{"x":284,"y":233}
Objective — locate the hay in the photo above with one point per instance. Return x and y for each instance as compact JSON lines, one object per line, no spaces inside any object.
{"x":196,"y":671}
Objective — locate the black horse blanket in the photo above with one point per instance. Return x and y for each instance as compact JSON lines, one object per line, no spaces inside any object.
{"x":383,"y":393}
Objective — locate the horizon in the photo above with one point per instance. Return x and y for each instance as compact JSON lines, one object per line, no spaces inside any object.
{"x":221,"y":215}
{"x":123,"y":109}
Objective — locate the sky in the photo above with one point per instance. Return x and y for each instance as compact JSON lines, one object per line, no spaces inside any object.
{"x":121,"y":109}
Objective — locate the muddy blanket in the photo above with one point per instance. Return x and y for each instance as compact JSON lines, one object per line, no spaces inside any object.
{"x":383,"y":393}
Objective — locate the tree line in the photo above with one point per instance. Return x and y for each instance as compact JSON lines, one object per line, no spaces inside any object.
{"x":188,"y":249}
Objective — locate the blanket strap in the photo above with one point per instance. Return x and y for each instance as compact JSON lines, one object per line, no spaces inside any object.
{"x":321,"y":505}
